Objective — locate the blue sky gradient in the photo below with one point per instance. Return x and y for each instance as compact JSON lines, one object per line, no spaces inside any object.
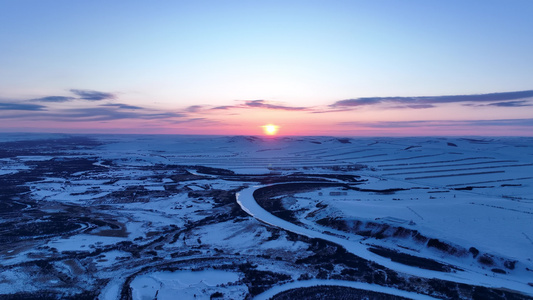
{"x":168,"y":56}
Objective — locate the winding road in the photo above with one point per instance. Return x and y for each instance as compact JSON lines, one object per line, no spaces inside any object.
{"x":248,"y":203}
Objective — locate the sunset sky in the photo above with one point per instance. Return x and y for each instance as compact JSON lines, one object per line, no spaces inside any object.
{"x":344,"y":68}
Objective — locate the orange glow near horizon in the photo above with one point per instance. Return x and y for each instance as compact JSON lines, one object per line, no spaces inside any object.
{"x":270,"y":129}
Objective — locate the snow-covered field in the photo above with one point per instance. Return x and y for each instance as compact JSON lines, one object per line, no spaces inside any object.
{"x":139,"y":217}
{"x":186,"y":284}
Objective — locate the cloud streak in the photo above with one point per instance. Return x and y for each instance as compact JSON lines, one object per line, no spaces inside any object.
{"x":86,"y":106}
{"x":107,"y":112}
{"x":441,"y":123}
{"x":88,"y":95}
{"x":195,"y":108}
{"x":430,"y":101}
{"x":511,"y":104}
{"x":91,"y":95}
{"x":21,"y":106}
{"x":122,"y":106}
{"x":114,"y":113}
{"x":54,"y":99}
{"x":50,"y":108}
{"x":268,"y":105}
{"x":247,"y":104}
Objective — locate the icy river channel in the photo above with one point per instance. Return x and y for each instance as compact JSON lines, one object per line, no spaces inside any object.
{"x":248,"y":203}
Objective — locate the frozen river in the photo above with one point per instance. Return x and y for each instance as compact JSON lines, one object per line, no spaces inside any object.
{"x":248,"y":203}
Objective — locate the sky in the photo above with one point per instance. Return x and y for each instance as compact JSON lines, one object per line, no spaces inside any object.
{"x":341,"y":68}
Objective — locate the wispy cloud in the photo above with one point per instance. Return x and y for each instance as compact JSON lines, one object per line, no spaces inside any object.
{"x":114,"y":113}
{"x":268,"y":105}
{"x":224,"y":107}
{"x":501,"y":122}
{"x":250,"y":104}
{"x":91,"y":106}
{"x":22,"y":106}
{"x":197,"y":121}
{"x":430,"y":101}
{"x":92,"y":95}
{"x":99,"y":113}
{"x":441,"y":123}
{"x":122,"y":106}
{"x":88,"y":95}
{"x":414,"y":106}
{"x":511,"y":104}
{"x":195,"y":108}
{"x":53,"y":99}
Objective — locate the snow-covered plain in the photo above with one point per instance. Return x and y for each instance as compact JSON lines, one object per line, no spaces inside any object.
{"x":114,"y":216}
{"x":186,"y":284}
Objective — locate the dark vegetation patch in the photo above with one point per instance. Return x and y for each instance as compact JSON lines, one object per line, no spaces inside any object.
{"x":51,"y":295}
{"x":222,"y":198}
{"x":256,"y":280}
{"x":180,"y":173}
{"x":390,"y":191}
{"x":474,"y":251}
{"x":445,"y":247}
{"x":328,"y":258}
{"x":268,"y":197}
{"x":185,"y":176}
{"x":47,"y":147}
{"x":333,"y":292}
{"x":53,"y":225}
{"x":64,"y":167}
{"x":271,"y":178}
{"x":296,"y":177}
{"x":259,"y":281}
{"x":469,"y":188}
{"x":383,"y":230}
{"x":342,"y":168}
{"x":372,"y":229}
{"x":327,"y":254}
{"x":212,"y":171}
{"x":454,"y":175}
{"x":411,"y":260}
{"x":11,"y":189}
{"x":15,"y":185}
{"x":486,"y":260}
{"x":343,"y":177}
{"x":412,"y":147}
{"x":435,"y":162}
{"x":131,"y":194}
{"x":344,"y":140}
{"x":478,"y":141}
{"x":483,"y":293}
{"x":38,"y":223}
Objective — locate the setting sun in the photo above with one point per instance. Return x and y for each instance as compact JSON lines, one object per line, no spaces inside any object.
{"x":270,"y":129}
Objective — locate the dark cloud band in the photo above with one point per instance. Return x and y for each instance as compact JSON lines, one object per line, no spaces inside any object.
{"x":442,"y":123}
{"x":54,"y":99}
{"x":428,"y":101}
{"x":92,"y":95}
{"x":22,"y":106}
{"x":267,"y":105}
